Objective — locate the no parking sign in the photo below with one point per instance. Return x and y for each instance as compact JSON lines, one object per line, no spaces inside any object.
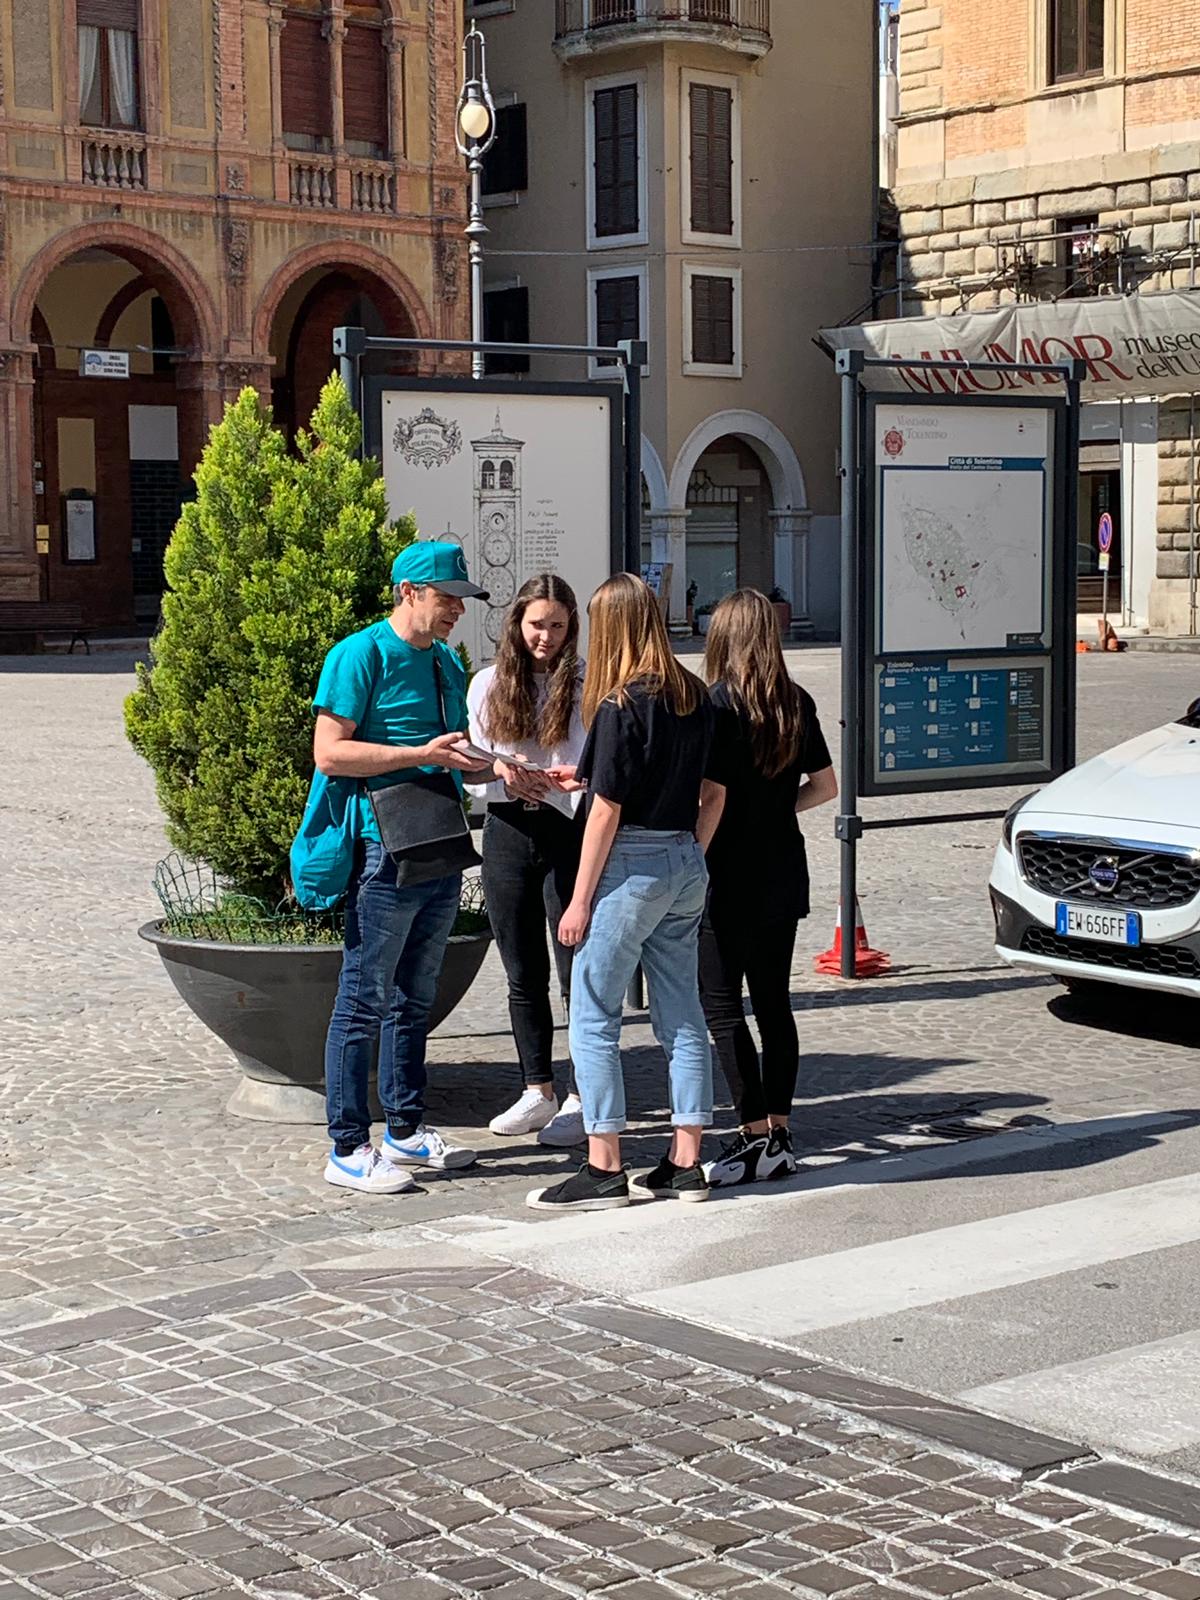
{"x":1104,"y":538}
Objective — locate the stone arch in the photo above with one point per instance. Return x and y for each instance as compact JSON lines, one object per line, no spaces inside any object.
{"x":116,"y":308}
{"x":350,"y":258}
{"x":164,"y":268}
{"x":768,"y":442}
{"x":655,"y":477}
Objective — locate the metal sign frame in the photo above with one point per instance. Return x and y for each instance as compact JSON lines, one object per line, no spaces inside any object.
{"x":352,"y":345}
{"x":1059,"y":575}
{"x":849,"y":825}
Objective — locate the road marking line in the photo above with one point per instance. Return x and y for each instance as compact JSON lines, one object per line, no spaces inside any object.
{"x":1147,"y":1396}
{"x":798,"y":1297}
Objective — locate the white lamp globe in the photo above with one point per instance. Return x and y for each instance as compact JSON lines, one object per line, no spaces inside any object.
{"x":474,"y":119}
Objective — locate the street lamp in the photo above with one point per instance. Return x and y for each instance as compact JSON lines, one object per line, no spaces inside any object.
{"x":474,"y":136}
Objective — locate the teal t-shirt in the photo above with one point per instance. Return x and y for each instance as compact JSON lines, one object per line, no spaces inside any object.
{"x":388,"y":688}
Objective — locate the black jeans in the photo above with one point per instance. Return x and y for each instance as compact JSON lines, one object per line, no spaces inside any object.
{"x":736,"y":946}
{"x":530,"y":857}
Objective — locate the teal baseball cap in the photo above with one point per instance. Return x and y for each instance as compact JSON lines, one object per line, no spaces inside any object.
{"x":439,"y":564}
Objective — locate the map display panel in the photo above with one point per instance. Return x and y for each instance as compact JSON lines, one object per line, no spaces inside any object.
{"x":963,"y":514}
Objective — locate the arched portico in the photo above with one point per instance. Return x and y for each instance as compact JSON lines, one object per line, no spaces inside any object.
{"x":768,"y":542}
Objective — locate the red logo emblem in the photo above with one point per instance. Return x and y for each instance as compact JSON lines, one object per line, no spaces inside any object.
{"x":893,"y":442}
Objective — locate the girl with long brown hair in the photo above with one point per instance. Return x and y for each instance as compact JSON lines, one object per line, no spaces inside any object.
{"x":776,"y":763}
{"x":526,"y":707}
{"x":652,"y":803}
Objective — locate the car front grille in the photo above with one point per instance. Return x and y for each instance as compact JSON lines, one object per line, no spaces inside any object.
{"x":1162,"y":960}
{"x":1152,"y":878}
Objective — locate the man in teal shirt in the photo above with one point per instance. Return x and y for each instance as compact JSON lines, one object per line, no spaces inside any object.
{"x":391,"y":703}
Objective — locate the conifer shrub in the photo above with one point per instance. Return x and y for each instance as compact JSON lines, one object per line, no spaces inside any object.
{"x":278,"y":557}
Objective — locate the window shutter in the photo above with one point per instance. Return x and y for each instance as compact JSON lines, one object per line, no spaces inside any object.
{"x":618,"y":311}
{"x":304,"y":71}
{"x":365,"y":86}
{"x":107,"y":14}
{"x":506,"y":319}
{"x":506,"y":165}
{"x":712,"y":320}
{"x":616,"y":160}
{"x":711,"y":125}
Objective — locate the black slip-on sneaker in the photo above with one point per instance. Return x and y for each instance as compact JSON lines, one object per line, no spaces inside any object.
{"x":669,"y":1182}
{"x":585,"y":1190}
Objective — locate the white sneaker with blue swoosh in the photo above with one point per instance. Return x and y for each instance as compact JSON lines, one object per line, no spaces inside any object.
{"x":367,"y":1171}
{"x":425,"y":1147}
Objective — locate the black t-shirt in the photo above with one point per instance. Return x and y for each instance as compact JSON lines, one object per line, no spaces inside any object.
{"x":648,"y":760}
{"x":758,"y":852}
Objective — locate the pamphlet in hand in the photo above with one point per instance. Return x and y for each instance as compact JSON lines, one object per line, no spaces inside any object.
{"x":479,"y":753}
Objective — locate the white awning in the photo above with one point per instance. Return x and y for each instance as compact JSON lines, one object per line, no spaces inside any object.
{"x":1139,"y":344}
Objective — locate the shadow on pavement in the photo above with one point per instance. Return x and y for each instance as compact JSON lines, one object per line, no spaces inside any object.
{"x":1161,"y":1018}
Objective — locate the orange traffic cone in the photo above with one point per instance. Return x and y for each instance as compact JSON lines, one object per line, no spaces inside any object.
{"x":868,"y":963}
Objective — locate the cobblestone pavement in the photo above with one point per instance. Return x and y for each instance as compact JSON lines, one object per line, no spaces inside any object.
{"x":197,"y":1402}
{"x":455,"y":1431}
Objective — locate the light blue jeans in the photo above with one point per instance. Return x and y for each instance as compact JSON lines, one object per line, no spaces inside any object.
{"x":647,"y":909}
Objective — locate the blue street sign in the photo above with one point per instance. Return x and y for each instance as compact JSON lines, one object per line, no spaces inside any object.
{"x":1104,"y":533}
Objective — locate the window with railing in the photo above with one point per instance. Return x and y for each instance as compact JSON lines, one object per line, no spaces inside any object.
{"x":108,"y":63}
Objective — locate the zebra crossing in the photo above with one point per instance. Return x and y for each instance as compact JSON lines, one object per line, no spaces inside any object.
{"x":1046,"y":1276}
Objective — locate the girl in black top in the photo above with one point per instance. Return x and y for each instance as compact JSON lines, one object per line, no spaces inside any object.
{"x":775,"y":763}
{"x":652,"y":806}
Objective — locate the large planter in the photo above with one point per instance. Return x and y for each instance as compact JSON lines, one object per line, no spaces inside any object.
{"x":271,"y":1003}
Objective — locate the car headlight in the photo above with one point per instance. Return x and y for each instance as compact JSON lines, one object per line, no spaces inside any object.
{"x":1010,"y":817}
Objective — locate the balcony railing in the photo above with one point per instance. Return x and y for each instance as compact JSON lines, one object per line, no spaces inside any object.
{"x":373,"y":189}
{"x":313,"y":184}
{"x":114,"y":161}
{"x":748,"y":20}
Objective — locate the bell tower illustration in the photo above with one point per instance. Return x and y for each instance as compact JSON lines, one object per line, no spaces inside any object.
{"x":498,"y":521}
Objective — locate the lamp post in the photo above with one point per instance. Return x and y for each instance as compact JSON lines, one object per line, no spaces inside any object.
{"x":474,"y":136}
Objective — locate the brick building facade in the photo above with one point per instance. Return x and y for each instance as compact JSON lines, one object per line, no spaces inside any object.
{"x":197,"y":192}
{"x":1049,"y":151}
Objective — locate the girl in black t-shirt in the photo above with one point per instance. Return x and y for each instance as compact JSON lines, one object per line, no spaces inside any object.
{"x":639,"y":892}
{"x":775,"y":762}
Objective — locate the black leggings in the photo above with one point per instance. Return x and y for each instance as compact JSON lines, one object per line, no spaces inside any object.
{"x":530,"y":858}
{"x":737,"y":946}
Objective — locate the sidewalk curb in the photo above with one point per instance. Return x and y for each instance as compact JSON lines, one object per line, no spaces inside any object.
{"x":991,"y":1440}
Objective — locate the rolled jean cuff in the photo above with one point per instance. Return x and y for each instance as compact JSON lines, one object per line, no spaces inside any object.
{"x":607,"y":1125}
{"x":688,"y":1119}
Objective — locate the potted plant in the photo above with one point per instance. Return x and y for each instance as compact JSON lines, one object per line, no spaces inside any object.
{"x":279,"y":556}
{"x":783,"y":610}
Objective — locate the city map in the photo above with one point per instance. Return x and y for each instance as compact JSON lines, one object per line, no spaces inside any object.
{"x":962,"y":555}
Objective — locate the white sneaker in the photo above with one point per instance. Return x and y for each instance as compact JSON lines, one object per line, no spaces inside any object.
{"x":367,"y":1171}
{"x":426,"y":1148}
{"x":526,"y":1115}
{"x":567,"y":1127}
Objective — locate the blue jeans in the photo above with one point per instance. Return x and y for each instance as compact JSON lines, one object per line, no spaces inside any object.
{"x":647,"y":909}
{"x":394,"y":945}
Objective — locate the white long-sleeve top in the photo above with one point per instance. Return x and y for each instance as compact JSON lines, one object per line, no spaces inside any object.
{"x":566,"y":754}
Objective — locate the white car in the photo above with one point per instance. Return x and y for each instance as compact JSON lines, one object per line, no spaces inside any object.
{"x":1097,"y":876}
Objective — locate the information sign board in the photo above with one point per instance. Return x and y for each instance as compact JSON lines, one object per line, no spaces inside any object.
{"x":526,"y":477}
{"x":965,"y":584}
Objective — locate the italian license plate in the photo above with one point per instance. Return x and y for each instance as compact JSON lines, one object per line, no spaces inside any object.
{"x":1094,"y":922}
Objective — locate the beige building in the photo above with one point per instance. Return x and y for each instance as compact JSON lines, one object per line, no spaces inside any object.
{"x":1048,"y":154}
{"x":193,"y":193}
{"x":698,"y":174}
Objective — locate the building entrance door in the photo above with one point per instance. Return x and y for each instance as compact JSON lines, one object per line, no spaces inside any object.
{"x":1099,"y":491}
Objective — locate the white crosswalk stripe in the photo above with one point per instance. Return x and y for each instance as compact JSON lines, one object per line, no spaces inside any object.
{"x":994,"y":1288}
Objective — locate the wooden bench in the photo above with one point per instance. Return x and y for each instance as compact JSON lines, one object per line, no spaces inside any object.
{"x":38,"y":618}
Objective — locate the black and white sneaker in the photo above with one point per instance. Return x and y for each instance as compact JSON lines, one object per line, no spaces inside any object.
{"x":586,"y":1190}
{"x":669,"y":1182}
{"x":777,"y":1160}
{"x":739,"y":1160}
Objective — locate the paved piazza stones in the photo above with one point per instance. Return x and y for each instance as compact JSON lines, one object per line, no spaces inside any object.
{"x":223,"y":1377}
